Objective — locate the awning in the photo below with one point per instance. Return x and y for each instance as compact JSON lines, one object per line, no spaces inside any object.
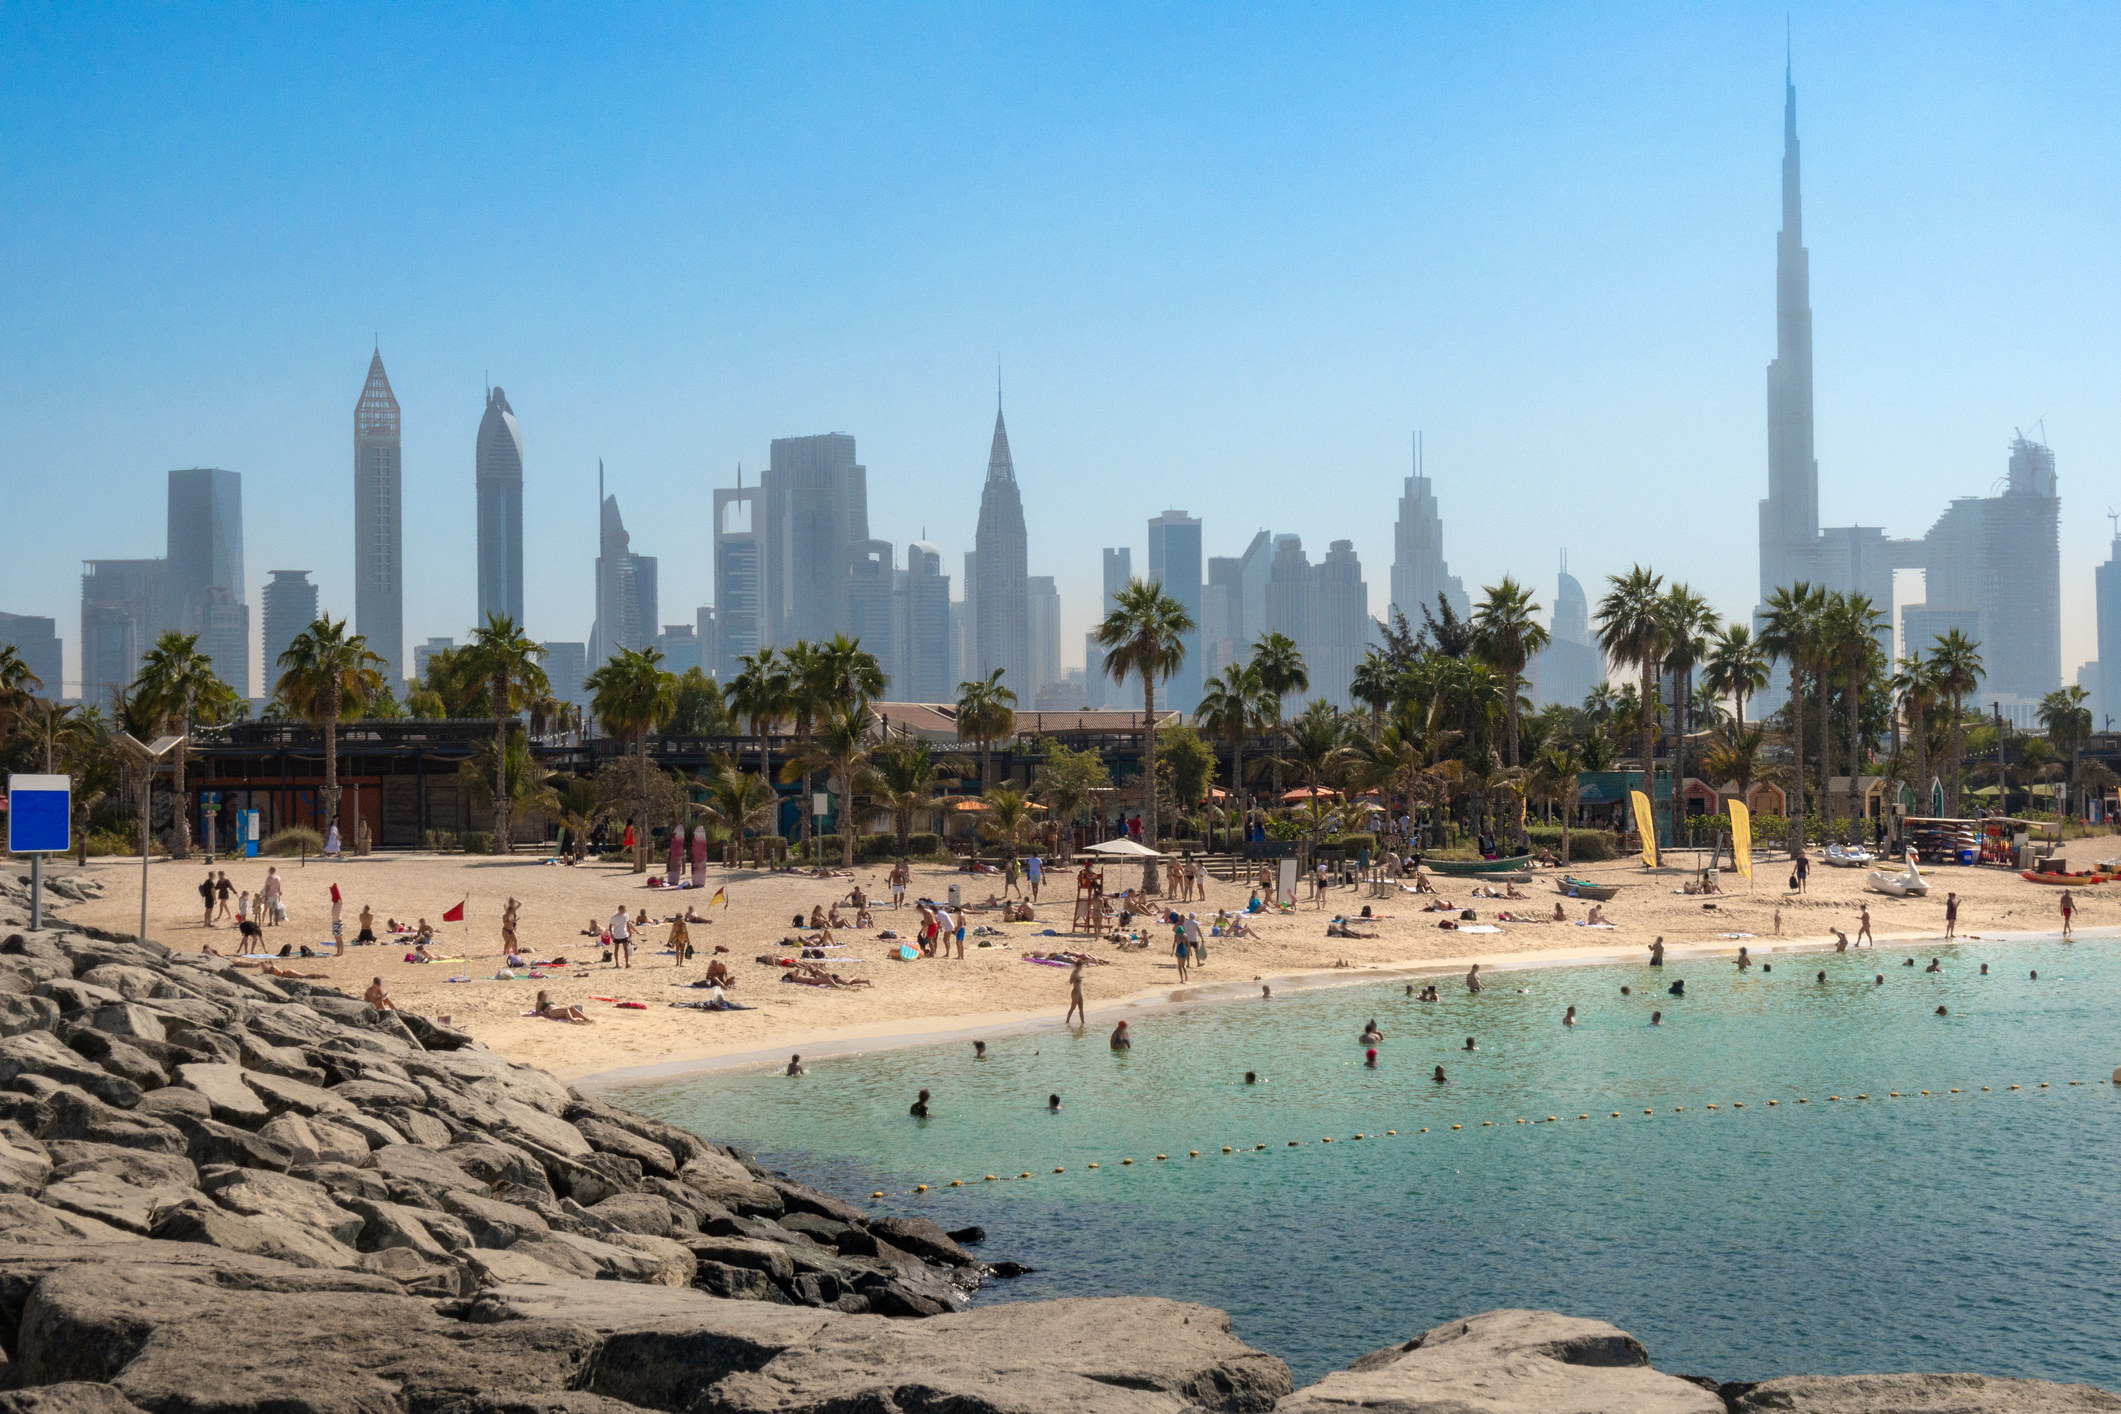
{"x":1123,"y":849}
{"x":1308,"y":793}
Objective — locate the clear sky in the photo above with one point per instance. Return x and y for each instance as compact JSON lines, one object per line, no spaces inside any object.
{"x":1230,"y":258}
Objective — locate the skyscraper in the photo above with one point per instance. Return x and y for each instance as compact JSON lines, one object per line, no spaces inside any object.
{"x":500,"y":485}
{"x":924,"y":675}
{"x":625,"y":587}
{"x":379,"y":535}
{"x":1174,"y":562}
{"x":1340,"y":623}
{"x":871,"y":599}
{"x":1419,"y":573}
{"x":290,"y":606}
{"x":738,"y":601}
{"x":1570,"y":665}
{"x":1118,"y":570}
{"x":36,"y":641}
{"x":680,"y":646}
{"x":204,"y":578}
{"x":122,"y":612}
{"x":2106,"y":691}
{"x":1042,"y":617}
{"x":566,"y":664}
{"x":1789,"y":517}
{"x":817,"y":513}
{"x":1001,"y":625}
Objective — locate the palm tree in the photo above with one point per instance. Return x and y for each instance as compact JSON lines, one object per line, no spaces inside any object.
{"x":1405,"y":754}
{"x":1508,"y":633}
{"x":633,"y":695}
{"x":986,"y":712}
{"x":519,"y":781}
{"x":1375,"y":684}
{"x":1850,"y":632}
{"x":1956,"y":659}
{"x":18,"y":685}
{"x":1280,"y":669}
{"x":179,"y":684}
{"x":1008,"y":816}
{"x":1555,"y":777}
{"x":1145,"y":634}
{"x":327,"y":673}
{"x":1229,"y":709}
{"x":1788,"y":635}
{"x":1915,"y":689}
{"x":1737,"y":668}
{"x":841,"y":751}
{"x":507,"y":658}
{"x":738,"y":801}
{"x":1318,"y":745}
{"x":1735,"y":757}
{"x":759,"y":694}
{"x":1631,"y":629}
{"x":907,"y":776}
{"x":1688,"y":623}
{"x":2069,"y":725}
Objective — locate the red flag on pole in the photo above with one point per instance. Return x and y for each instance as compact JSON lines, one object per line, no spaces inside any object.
{"x":455,"y":915}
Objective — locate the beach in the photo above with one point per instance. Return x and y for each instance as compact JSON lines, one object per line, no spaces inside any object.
{"x":992,"y":987}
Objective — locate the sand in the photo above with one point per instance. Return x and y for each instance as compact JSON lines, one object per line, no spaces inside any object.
{"x":992,"y":987}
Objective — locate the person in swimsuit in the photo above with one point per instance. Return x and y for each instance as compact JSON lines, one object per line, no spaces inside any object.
{"x":1678,"y":987}
{"x":1473,"y":978}
{"x":795,"y":1066}
{"x":222,"y":889}
{"x":1369,"y":1058}
{"x":1121,"y":1041}
{"x":1076,"y":1010}
{"x":1863,"y":928}
{"x":1656,"y":1018}
{"x":551,"y":1011}
{"x":1053,"y":1104}
{"x":1951,"y":916}
{"x":1657,"y":953}
{"x":206,"y":898}
{"x":1439,"y":1077}
{"x":622,"y":937}
{"x":2069,"y":910}
{"x":1370,"y":1035}
{"x":680,"y":941}
{"x":377,"y":998}
{"x":367,"y":920}
{"x":1570,"y":1019}
{"x":1180,"y":948}
{"x":1471,"y":1044}
{"x":919,"y":1108}
{"x":338,"y":922}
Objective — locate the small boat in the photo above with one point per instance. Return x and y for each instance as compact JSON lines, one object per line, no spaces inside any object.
{"x":1477,"y":866}
{"x":2041,"y":876}
{"x":1507,"y":876}
{"x":1849,"y":856}
{"x":1902,"y":885}
{"x":1583,"y":888}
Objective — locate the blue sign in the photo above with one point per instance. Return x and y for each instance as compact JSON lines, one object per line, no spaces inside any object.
{"x":39,"y":814}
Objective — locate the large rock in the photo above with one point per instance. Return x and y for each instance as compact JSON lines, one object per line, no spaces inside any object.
{"x":285,"y":1202}
{"x":231,"y":1101}
{"x":20,"y":1014}
{"x":1504,"y":1361}
{"x":924,"y":1240}
{"x":69,"y":1112}
{"x":1920,"y":1394}
{"x":111,"y":1199}
{"x":732,"y":1185}
{"x":70,"y":1397}
{"x":24,"y":1166}
{"x":607,"y":1138}
{"x":492,"y":1224}
{"x":181,"y":1338}
{"x":312,"y":1141}
{"x":413,"y":1164}
{"x":1128,"y":1355}
{"x":39,"y":1053}
{"x":26,"y":1222}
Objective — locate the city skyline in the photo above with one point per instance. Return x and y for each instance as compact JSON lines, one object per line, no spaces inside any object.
{"x":1906,"y":421}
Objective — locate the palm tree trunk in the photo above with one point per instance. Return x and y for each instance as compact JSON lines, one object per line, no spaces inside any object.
{"x":1683,"y":691}
{"x":331,"y":755}
{"x":1645,"y":721}
{"x":640,"y":827}
{"x":1237,"y":777}
{"x":1826,"y":743}
{"x":1797,"y":749}
{"x":847,"y":823}
{"x":182,"y":811}
{"x":1958,"y":752}
{"x":1855,"y":743}
{"x":500,"y":766}
{"x":1919,"y":736}
{"x":1511,"y":680}
{"x":1149,"y":780}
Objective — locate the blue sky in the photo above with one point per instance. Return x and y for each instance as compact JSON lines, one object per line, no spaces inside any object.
{"x":1230,"y":257}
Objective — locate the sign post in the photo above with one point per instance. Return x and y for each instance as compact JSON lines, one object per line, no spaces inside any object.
{"x":40,"y":818}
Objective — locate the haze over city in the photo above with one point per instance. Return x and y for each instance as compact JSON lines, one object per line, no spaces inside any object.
{"x":1229,"y":265}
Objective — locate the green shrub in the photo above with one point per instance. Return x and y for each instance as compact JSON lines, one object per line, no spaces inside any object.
{"x":476,"y":841}
{"x":1352,"y":844}
{"x":1585,"y":846}
{"x":616,"y":856}
{"x":295,"y":839}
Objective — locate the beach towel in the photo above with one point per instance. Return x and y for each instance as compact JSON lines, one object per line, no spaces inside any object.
{"x":718,"y":1004}
{"x":1486,"y":928}
{"x":1598,"y":925}
{"x":633,"y":1006}
{"x":907,"y":954}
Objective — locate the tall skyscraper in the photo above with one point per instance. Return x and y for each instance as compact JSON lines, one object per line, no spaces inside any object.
{"x":500,"y":485}
{"x":1118,"y":570}
{"x":1571,"y":664}
{"x":1289,"y":597}
{"x":1789,"y":517}
{"x":738,"y":594}
{"x":680,"y":646}
{"x":423,"y":654}
{"x":122,"y":612}
{"x":204,"y":577}
{"x":625,"y":588}
{"x":1419,"y":572}
{"x":2106,"y":596}
{"x":1042,"y":617}
{"x":924,"y":673}
{"x":379,"y":533}
{"x":1000,"y":604}
{"x":817,"y":513}
{"x":566,"y":664}
{"x":1174,"y":562}
{"x":871,"y":598}
{"x":290,"y":606}
{"x":1340,"y":623}
{"x":36,"y":642}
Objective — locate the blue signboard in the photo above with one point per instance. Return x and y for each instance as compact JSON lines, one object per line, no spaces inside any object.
{"x":39,"y":814}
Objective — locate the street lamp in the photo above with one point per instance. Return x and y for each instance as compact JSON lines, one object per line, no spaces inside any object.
{"x":146,"y":755}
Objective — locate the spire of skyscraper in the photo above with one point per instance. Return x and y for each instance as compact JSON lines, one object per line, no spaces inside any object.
{"x":1000,"y":590}
{"x":500,"y":488}
{"x":999,"y":466}
{"x":1789,"y":517}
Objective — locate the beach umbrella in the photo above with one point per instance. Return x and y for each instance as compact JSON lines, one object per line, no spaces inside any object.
{"x":1124,"y":849}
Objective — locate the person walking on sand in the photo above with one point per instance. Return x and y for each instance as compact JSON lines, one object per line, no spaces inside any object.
{"x":269,"y":897}
{"x":206,"y":897}
{"x":1804,"y":872}
{"x":2069,"y":910}
{"x":898,"y":884}
{"x":680,"y":941}
{"x":1034,"y":874}
{"x":1076,"y":1010}
{"x":1011,"y":877}
{"x":1951,"y":916}
{"x":1863,"y":928}
{"x":621,"y":937}
{"x":338,"y":921}
{"x":1178,"y":945}
{"x":222,"y":889}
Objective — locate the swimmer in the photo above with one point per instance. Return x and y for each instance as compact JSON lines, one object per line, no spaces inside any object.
{"x":1370,"y":1035}
{"x":1678,"y":987}
{"x":1053,"y":1104}
{"x":1881,"y":980}
{"x":1121,"y":1041}
{"x":1251,"y":1077}
{"x":1984,"y":969}
{"x":1471,"y":1045}
{"x":1936,"y":965}
{"x":1266,"y":993}
{"x":979,"y":1050}
{"x":1942,"y":1012}
{"x":1473,"y":978}
{"x":1627,"y":991}
{"x":1822,"y":977}
{"x":2036,"y":975}
{"x":1570,"y":1019}
{"x":1909,"y":963}
{"x":1370,"y":1058}
{"x":1767,"y":967}
{"x":1439,"y":1077}
{"x":1745,"y":959}
{"x":919,"y":1108}
{"x":1657,"y":953}
{"x":1841,"y":939}
{"x":1656,"y":1018}
{"x":1410,"y":989}
{"x":795,"y":1066}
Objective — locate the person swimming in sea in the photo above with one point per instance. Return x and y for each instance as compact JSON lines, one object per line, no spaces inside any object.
{"x":1745,"y":959}
{"x":979,"y":1050}
{"x":1471,"y":1045}
{"x":1627,"y":991}
{"x":1909,"y":963}
{"x":1369,"y":1058}
{"x":1121,"y":1041}
{"x":919,"y":1108}
{"x":1984,"y":969}
{"x":1822,"y":977}
{"x":1370,"y":1034}
{"x":1657,"y":953}
{"x":1266,"y":993}
{"x":1656,"y":1018}
{"x":1678,"y":987}
{"x":1473,"y":978}
{"x":1439,"y":1077}
{"x":1881,"y":980}
{"x":1251,"y":1077}
{"x":1841,"y":939}
{"x":795,"y":1066}
{"x":1053,"y":1104}
{"x":1936,"y":965}
{"x":1942,"y":1012}
{"x":1570,"y":1019}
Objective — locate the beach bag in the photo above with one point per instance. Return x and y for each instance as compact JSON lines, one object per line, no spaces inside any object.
{"x":1793,"y":883}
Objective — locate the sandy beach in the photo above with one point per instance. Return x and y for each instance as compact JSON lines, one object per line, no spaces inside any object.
{"x":992,"y":987}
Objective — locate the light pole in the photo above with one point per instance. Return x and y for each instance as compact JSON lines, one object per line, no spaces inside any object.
{"x":146,"y":755}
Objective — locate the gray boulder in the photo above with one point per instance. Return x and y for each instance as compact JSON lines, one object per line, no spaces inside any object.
{"x":1920,"y":1394}
{"x":231,"y":1101}
{"x":111,"y":1199}
{"x":70,"y":1397}
{"x":26,"y":1222}
{"x":1508,"y":1360}
{"x":39,"y":1053}
{"x":311,"y":1141}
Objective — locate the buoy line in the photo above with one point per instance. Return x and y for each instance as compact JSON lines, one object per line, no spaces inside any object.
{"x":1368,"y":1134}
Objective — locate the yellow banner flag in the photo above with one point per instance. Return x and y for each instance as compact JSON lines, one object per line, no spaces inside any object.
{"x":1741,"y":838}
{"x":1646,"y":822}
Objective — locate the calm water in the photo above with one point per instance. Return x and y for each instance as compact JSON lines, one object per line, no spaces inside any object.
{"x":1970,"y":1231}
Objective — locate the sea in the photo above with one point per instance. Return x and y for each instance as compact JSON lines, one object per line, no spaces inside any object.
{"x":1783,"y":1173}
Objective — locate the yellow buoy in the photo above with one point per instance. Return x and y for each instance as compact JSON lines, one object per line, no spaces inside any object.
{"x":1258,"y":1146}
{"x":1984,"y":1087}
{"x":1093,"y":1166}
{"x":1955,"y":1089}
{"x":1327,"y":1140}
{"x":990,"y":1178}
{"x":1890,"y":1095}
{"x":1774,"y":1102}
{"x":1358,"y":1136}
{"x":1833,"y":1097}
{"x":1737,"y":1104}
{"x":1226,"y":1148}
{"x":1059,"y":1170}
{"x":1192,"y":1153}
{"x":1616,"y":1114}
{"x":2043,"y":1084}
{"x":1712,"y":1107}
{"x":1550,"y":1119}
{"x":1649,"y":1112}
{"x":1583,"y":1116}
{"x":1487,"y":1124}
{"x":878,"y":1194}
{"x":1163,"y":1156}
{"x":957,"y":1183}
{"x":1292,"y":1143}
{"x":1126,"y":1161}
{"x":1520,"y":1121}
{"x":1425,"y":1129}
{"x":920,"y":1188}
{"x":1391,"y":1131}
{"x":1025,"y":1174}
{"x":2014,"y":1087}
{"x":1679,"y":1109}
{"x":1925,"y":1092}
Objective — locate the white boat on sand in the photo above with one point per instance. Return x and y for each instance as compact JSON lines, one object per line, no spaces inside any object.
{"x":1900,"y":885}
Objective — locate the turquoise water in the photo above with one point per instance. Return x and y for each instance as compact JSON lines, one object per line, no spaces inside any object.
{"x":1976,"y":1230}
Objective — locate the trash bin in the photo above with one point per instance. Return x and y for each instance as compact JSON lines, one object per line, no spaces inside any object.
{"x":957,"y":896}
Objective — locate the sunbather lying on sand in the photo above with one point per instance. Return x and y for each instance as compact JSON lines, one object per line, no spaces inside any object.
{"x":271,"y":971}
{"x":552,"y":1011}
{"x":810,"y":974}
{"x":1439,"y":905}
{"x":1338,"y":929}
